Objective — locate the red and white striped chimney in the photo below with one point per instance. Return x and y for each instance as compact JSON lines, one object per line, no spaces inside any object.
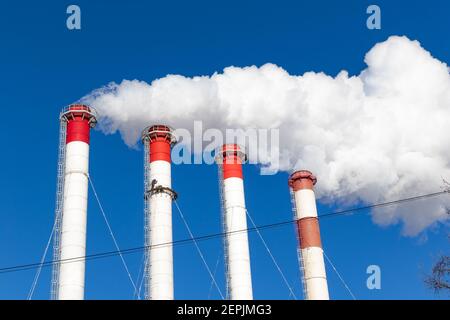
{"x":302,"y":183}
{"x":159,"y":194}
{"x":80,"y":119}
{"x":239,"y":279}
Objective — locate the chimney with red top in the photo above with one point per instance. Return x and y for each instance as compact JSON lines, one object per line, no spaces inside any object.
{"x":230,"y":159}
{"x":79,"y":121}
{"x":158,"y":140}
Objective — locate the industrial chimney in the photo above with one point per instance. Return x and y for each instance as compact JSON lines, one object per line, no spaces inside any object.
{"x":311,"y":254}
{"x":71,"y":212}
{"x":158,"y":140}
{"x":239,"y":281}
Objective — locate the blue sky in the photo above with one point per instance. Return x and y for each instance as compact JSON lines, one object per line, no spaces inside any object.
{"x":44,"y":66}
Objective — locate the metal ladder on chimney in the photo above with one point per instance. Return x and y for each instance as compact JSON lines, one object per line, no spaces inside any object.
{"x":58,"y":210}
{"x":147,"y":230}
{"x":224,"y":228}
{"x":299,"y":251}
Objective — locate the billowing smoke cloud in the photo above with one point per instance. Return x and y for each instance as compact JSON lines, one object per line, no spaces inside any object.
{"x":378,"y":136}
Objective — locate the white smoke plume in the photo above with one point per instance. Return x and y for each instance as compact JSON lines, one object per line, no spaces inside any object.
{"x":378,"y":136}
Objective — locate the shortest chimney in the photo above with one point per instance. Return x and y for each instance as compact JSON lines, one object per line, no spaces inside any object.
{"x":311,"y":259}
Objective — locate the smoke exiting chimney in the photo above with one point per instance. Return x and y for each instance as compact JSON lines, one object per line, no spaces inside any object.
{"x":402,"y":80}
{"x":158,"y":140}
{"x":311,"y":254}
{"x":78,"y":120}
{"x":239,"y":281}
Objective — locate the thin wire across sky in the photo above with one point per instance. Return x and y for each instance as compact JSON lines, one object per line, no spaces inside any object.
{"x":101,"y":255}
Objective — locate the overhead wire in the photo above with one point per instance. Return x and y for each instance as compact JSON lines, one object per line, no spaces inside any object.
{"x":207,"y":237}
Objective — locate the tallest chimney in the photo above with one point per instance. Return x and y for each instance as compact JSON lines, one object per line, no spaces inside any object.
{"x":79,"y":120}
{"x":302,"y":184}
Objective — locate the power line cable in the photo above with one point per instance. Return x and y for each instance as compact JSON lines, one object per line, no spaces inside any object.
{"x":385,"y":204}
{"x":205,"y":237}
